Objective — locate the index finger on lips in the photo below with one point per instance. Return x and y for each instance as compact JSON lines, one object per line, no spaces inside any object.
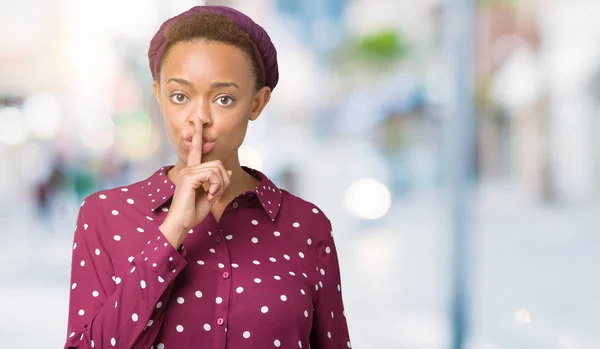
{"x":195,"y":154}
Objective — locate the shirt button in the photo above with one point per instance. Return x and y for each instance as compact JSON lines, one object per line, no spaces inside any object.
{"x":218,"y":239}
{"x":235,"y":205}
{"x":225,"y":275}
{"x":220,"y":321}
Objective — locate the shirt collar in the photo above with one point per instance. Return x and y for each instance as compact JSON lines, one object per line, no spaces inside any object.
{"x":159,"y":189}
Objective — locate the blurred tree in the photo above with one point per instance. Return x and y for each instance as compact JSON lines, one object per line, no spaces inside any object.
{"x":378,"y":49}
{"x":384,"y":45}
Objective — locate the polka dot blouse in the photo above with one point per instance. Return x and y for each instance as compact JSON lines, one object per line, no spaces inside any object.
{"x":265,"y":276}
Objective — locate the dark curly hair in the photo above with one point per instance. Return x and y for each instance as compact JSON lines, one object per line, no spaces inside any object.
{"x":211,"y":27}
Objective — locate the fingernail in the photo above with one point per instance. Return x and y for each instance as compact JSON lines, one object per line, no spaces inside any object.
{"x":229,"y":172}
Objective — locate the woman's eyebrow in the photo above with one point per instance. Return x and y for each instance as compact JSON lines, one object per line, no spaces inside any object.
{"x":180,"y":81}
{"x":219,"y":84}
{"x":214,"y":85}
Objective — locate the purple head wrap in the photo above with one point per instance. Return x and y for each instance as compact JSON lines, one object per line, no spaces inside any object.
{"x":264,"y":50}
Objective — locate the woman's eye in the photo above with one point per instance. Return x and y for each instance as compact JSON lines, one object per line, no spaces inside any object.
{"x":225,"y":101}
{"x":178,"y":98}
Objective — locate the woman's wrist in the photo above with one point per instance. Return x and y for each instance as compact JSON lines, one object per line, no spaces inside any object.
{"x":173,"y":234}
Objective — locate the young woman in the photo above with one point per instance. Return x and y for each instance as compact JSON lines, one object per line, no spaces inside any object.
{"x":206,"y":253}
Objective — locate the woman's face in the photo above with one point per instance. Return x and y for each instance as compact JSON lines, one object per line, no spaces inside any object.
{"x":212,"y":81}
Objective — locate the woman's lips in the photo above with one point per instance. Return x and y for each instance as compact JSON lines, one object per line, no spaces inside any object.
{"x":206,"y":146}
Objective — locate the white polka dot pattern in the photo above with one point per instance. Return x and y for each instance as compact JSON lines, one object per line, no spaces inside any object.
{"x":271,"y":255}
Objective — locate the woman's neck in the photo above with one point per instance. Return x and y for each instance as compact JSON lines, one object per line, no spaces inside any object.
{"x":241,"y":181}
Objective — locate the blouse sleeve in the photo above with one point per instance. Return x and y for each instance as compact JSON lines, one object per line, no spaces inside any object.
{"x":109,"y":311}
{"x":329,"y":329}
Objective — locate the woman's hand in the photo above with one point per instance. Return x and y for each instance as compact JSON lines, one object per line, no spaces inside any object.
{"x":199,"y":185}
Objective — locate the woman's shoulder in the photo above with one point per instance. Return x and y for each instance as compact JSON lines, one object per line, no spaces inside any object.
{"x":105,"y":202}
{"x":306,"y":214}
{"x":130,"y":193}
{"x":108,"y":195}
{"x":104,"y":209}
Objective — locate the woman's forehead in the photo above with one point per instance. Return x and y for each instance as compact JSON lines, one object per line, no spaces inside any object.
{"x":202,"y":60}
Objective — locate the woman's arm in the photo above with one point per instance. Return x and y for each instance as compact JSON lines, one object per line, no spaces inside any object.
{"x":112,"y":311}
{"x":329,"y":330}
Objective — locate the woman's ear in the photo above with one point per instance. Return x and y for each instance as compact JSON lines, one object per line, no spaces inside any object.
{"x":157,"y":94}
{"x":261,"y":99}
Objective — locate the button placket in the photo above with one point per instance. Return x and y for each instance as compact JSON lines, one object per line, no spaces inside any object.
{"x":224,"y":287}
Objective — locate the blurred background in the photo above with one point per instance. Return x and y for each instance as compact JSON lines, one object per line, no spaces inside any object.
{"x":500,"y":245}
